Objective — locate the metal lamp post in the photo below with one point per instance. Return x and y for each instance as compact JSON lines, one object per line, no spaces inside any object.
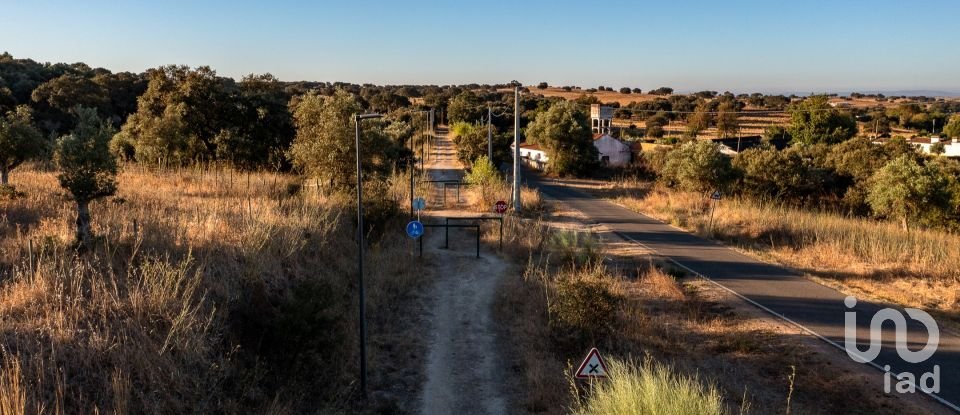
{"x":413,"y":164}
{"x":363,"y":323}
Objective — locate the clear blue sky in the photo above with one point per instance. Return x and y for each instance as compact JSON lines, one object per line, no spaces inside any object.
{"x":741,"y":46}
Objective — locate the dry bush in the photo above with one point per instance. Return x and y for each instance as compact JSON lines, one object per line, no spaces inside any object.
{"x":207,"y":291}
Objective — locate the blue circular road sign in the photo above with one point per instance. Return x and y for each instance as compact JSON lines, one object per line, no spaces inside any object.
{"x":415,"y":229}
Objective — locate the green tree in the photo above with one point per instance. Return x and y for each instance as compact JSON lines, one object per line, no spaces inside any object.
{"x":700,"y":120}
{"x":471,"y":142}
{"x":727,"y":122}
{"x":264,"y":129}
{"x":56,"y":99}
{"x":908,"y":191}
{"x":813,"y":120}
{"x":88,"y":170}
{"x":697,"y":166}
{"x":324,"y":143}
{"x":19,"y":141}
{"x":182,"y":115}
{"x":157,"y":138}
{"x":774,"y":132}
{"x":654,"y":125}
{"x":563,"y":131}
{"x":938,"y":148}
{"x":466,"y":107}
{"x":787,"y":175}
{"x":952,"y":129}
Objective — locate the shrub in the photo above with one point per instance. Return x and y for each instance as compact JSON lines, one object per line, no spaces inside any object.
{"x":485,"y":177}
{"x":649,"y":388}
{"x":583,"y":307}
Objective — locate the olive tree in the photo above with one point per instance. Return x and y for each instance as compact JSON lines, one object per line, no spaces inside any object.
{"x":88,"y":170}
{"x":697,"y":166}
{"x":904,"y":189}
{"x":564,"y":133}
{"x":324,"y":144}
{"x":814,"y":121}
{"x":727,"y":122}
{"x":19,"y":141}
{"x":952,"y":128}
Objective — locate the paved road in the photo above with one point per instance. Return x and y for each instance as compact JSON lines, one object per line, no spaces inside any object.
{"x":778,"y":290}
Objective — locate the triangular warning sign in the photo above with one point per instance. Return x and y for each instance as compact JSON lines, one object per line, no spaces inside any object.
{"x":592,"y":366}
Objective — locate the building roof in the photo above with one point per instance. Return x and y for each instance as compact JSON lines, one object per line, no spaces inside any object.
{"x":530,"y":147}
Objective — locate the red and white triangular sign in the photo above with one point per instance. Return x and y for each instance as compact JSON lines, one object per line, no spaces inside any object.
{"x":592,"y":366}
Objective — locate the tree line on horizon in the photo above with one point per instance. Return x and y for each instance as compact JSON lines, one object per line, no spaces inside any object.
{"x":176,"y":115}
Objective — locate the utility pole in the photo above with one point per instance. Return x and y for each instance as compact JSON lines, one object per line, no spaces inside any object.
{"x":489,"y":134}
{"x":516,"y":149}
{"x":739,"y":137}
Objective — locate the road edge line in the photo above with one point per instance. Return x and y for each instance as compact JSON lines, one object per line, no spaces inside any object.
{"x":942,"y":401}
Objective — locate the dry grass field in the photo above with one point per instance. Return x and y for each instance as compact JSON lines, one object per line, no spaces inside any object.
{"x":207,"y":291}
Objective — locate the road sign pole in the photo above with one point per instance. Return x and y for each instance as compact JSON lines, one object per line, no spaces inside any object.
{"x":713,"y":207}
{"x":411,"y":190}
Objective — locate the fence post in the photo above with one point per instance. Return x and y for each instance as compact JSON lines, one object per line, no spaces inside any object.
{"x":30,"y":254}
{"x":420,"y":239}
{"x":501,"y":233}
{"x":446,"y":230}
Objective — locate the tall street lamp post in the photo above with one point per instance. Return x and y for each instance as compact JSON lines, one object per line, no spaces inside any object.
{"x":363,"y":323}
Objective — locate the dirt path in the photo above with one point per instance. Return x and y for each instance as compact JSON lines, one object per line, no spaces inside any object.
{"x":462,"y":362}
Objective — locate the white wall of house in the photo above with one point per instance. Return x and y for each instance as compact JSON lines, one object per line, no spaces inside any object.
{"x":612,"y":150}
{"x":951,"y":148}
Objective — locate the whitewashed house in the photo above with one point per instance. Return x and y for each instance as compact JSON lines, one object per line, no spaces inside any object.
{"x":613,"y":152}
{"x":951,"y":148}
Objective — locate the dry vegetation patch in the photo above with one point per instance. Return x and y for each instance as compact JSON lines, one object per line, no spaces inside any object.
{"x":208,"y":290}
{"x":662,"y":324}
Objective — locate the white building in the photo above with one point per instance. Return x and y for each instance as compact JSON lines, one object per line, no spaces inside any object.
{"x":533,"y":155}
{"x":950,"y":148}
{"x":613,"y":152}
{"x":601,"y":119}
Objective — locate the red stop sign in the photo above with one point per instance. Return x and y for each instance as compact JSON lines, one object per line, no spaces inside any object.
{"x":500,"y":206}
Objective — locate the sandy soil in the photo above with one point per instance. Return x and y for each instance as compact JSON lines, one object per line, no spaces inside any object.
{"x":463,"y":367}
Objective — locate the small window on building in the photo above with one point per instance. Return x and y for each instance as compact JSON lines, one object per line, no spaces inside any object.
{"x":605,"y":160}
